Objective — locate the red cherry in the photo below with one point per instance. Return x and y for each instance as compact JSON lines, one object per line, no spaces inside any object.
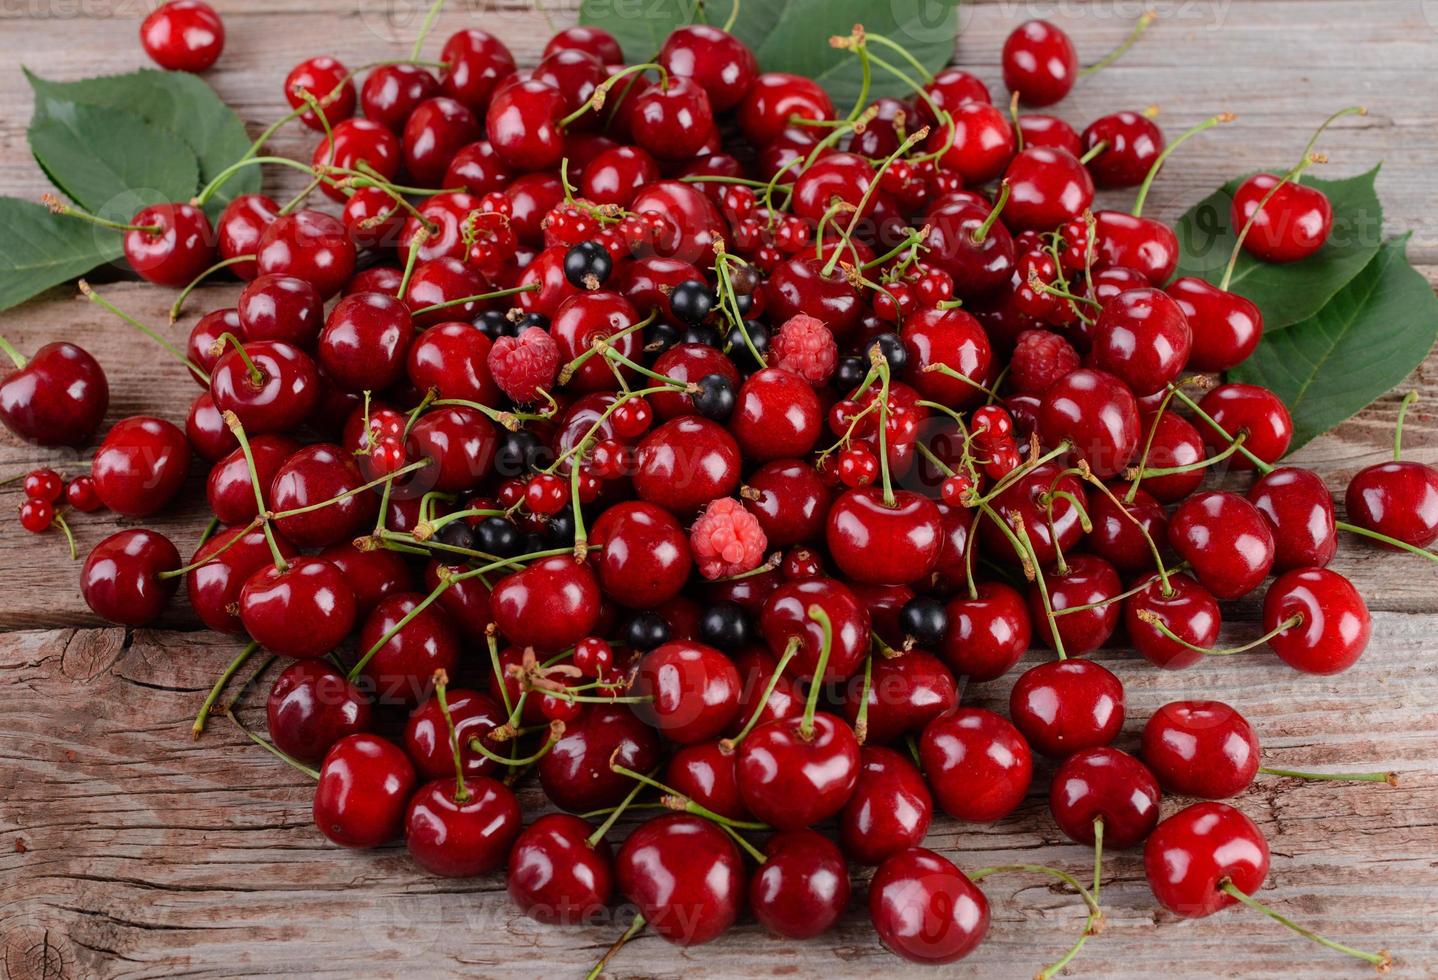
{"x":364,"y":786}
{"x":1103,"y":785}
{"x":58,"y":398}
{"x":905,"y":693}
{"x":354,"y":142}
{"x":1294,"y":223}
{"x":980,"y":146}
{"x":392,"y":92}
{"x":952,"y":338}
{"x":475,"y":62}
{"x":1192,"y":852}
{"x":1098,"y":415}
{"x":615,"y":176}
{"x":1086,"y":581}
{"x":1116,"y":535}
{"x":239,"y":228}
{"x":790,"y":500}
{"x":646,"y":558}
{"x":311,"y":707}
{"x":460,"y":441}
{"x":550,"y":605}
{"x":1188,"y":610}
{"x":773,"y":99}
{"x":1225,"y":540}
{"x":1047,"y":187}
{"x":329,"y":82}
{"x":555,"y":875}
{"x":1134,"y":143}
{"x":792,"y":777}
{"x":318,"y":473}
{"x":877,"y":542}
{"x":461,"y":834}
{"x":402,"y":669}
{"x":302,"y":611}
{"x":1226,"y":326}
{"x":279,"y":308}
{"x":366,"y":341}
{"x":522,"y":122}
{"x":206,"y":430}
{"x":685,"y":876}
{"x":925,"y":909}
{"x":705,"y":773}
{"x":890,"y":808}
{"x":722,"y":64}
{"x":229,"y":560}
{"x":594,"y":40}
{"x":576,"y":773}
{"x":1398,"y":499}
{"x":786,"y":615}
{"x":374,"y":574}
{"x":271,"y":387}
{"x":183,"y":35}
{"x":1143,"y":338}
{"x":1201,"y":748}
{"x":777,"y":415}
{"x":672,"y":121}
{"x":987,"y":635}
{"x":434,"y":135}
{"x":1299,"y":509}
{"x":452,"y":358}
{"x":1147,"y":246}
{"x":1066,"y":706}
{"x":1039,"y":130}
{"x":1254,"y":411}
{"x":685,"y":463}
{"x":802,"y":887}
{"x":1040,"y":63}
{"x":308,"y":245}
{"x":1334,"y":626}
{"x":140,"y":466}
{"x":170,"y":244}
{"x":693,"y":691}
{"x":977,"y":764}
{"x":121,"y":578}
{"x":1173,"y":442}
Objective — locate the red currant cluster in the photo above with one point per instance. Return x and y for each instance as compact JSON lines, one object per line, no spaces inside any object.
{"x":45,"y":490}
{"x":557,"y":431}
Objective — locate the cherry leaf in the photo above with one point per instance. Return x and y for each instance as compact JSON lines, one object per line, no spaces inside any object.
{"x":39,"y":249}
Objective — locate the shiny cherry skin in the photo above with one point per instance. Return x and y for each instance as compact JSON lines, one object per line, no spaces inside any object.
{"x":789,"y":499}
{"x":443,"y":280}
{"x":308,"y":245}
{"x":776,"y":415}
{"x":1040,"y":63}
{"x":982,"y":143}
{"x":170,"y":244}
{"x":774,"y":98}
{"x":951,"y":570}
{"x":786,"y":615}
{"x":616,"y":175}
{"x":1226,"y":326}
{"x":1107,"y":785}
{"x":874,"y":541}
{"x":183,"y":35}
{"x":121,"y":581}
{"x":786,"y":700}
{"x":799,"y":285}
{"x":1143,"y":338}
{"x":1254,"y":411}
{"x":1027,"y":499}
{"x":1175,"y":442}
{"x":691,"y":362}
{"x":1116,"y":535}
{"x":706,"y":773}
{"x":1134,"y":143}
{"x":952,"y":338}
{"x":1098,"y":415}
{"x":719,"y":62}
{"x":790,"y":778}
{"x":1335,"y":627}
{"x":1086,"y":580}
{"x":390,"y":93}
{"x":214,"y":587}
{"x":311,"y":707}
{"x":592,"y":40}
{"x":1066,"y":706}
{"x":1145,"y":245}
{"x":575,"y":774}
{"x":925,"y":909}
{"x":551,"y":605}
{"x":1294,"y":223}
{"x":685,"y":876}
{"x":303,"y":611}
{"x":1399,"y":499}
{"x":673,"y":121}
{"x":1201,"y":748}
{"x":555,"y":876}
{"x":206,"y":430}
{"x":58,"y":398}
{"x":328,"y":81}
{"x":372,"y":574}
{"x":280,"y":308}
{"x":426,"y":734}
{"x":890,"y":809}
{"x":905,"y":693}
{"x":1039,"y":130}
{"x":693,"y":690}
{"x":1225,"y":540}
{"x":580,"y":321}
{"x":1188,"y":609}
{"x":685,"y":463}
{"x":434,"y":134}
{"x":365,"y":342}
{"x":238,"y":230}
{"x":461,"y":835}
{"x":313,"y":475}
{"x":980,"y":267}
{"x":1047,"y":187}
{"x":460,"y":441}
{"x":1191,"y":853}
{"x":452,"y":358}
{"x":279,"y":399}
{"x":646,"y":558}
{"x":476,"y":62}
{"x":140,"y":466}
{"x":445,"y":212}
{"x":357,"y":142}
{"x":802,"y":887}
{"x":402,"y":669}
{"x":1299,"y":509}
{"x":523,"y":124}
{"x":988,"y":634}
{"x":364,"y":787}
{"x":466,"y":600}
{"x":977,"y":764}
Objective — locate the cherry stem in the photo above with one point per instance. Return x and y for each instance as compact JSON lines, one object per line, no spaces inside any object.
{"x":421,"y":235}
{"x":861,"y":720}
{"x":232,"y":421}
{"x":556,"y":732}
{"x":194,"y":283}
{"x":1393,"y":542}
{"x":678,"y":801}
{"x":1122,"y":506}
{"x":16,"y":358}
{"x":1291,"y":176}
{"x":1038,"y":285}
{"x":1097,"y":855}
{"x":1391,"y":778}
{"x":614,"y":814}
{"x":903,"y":52}
{"x":1218,"y":457}
{"x":732,"y":19}
{"x":1014,"y":121}
{"x":245,"y":684}
{"x":430,"y":16}
{"x":1148,"y":441}
{"x":1147,"y":18}
{"x":273,"y":749}
{"x":105,"y":304}
{"x":414,"y":415}
{"x":441,"y":684}
{"x":493,"y":644}
{"x":203,"y":198}
{"x":855,"y":42}
{"x":568,"y":370}
{"x":187,"y":569}
{"x":595,"y":102}
{"x":56,"y":206}
{"x":257,"y":376}
{"x":204,"y":713}
{"x":630,"y":933}
{"x":818,"y":615}
{"x":1262,"y":465}
{"x":869,"y":192}
{"x":738,"y":838}
{"x":1380,"y":960}
{"x":1355,"y":110}
{"x":1093,"y":151}
{"x":728,"y":745}
{"x":1044,"y":869}
{"x":59,"y":521}
{"x":729,"y":300}
{"x":982,"y":231}
{"x":345,"y":495}
{"x":497,"y":294}
{"x":1209,"y":123}
{"x":1408,"y":399}
{"x":1153,"y":619}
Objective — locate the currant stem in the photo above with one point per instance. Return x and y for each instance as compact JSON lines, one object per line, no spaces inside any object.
{"x":100,"y":301}
{"x":728,"y":745}
{"x":818,"y":615}
{"x":1153,"y":619}
{"x":59,"y":521}
{"x":1393,"y":542}
{"x":982,"y":231}
{"x":1147,"y":18}
{"x":204,"y":713}
{"x":869,"y":192}
{"x":1380,"y":960}
{"x":1391,"y":778}
{"x":556,"y":732}
{"x":1409,"y":399}
{"x":1209,"y":123}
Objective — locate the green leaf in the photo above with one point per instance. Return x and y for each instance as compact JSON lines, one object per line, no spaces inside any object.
{"x":793,"y":35}
{"x":1368,"y":338}
{"x":39,"y":249}
{"x":178,"y":102}
{"x":109,"y":161}
{"x":1294,"y":291}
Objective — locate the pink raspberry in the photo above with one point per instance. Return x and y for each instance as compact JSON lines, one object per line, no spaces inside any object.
{"x":522,"y":365}
{"x":806,"y":347}
{"x":727,"y":539}
{"x":1041,"y":358}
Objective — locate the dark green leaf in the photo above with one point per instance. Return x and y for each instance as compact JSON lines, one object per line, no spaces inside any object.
{"x":1368,"y":338}
{"x":39,"y":249}
{"x":640,"y":26}
{"x":1291,"y":292}
{"x":108,"y":161}
{"x":178,"y":102}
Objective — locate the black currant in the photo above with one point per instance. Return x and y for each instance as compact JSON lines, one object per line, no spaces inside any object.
{"x":891,"y":349}
{"x":924,"y":619}
{"x":646,"y":631}
{"x":850,"y":372}
{"x":496,"y":536}
{"x":559,"y":529}
{"x":493,"y":324}
{"x":456,"y":534}
{"x":517,"y":453}
{"x":587,"y":265}
{"x":725,"y":626}
{"x":715,"y":398}
{"x":700,"y":334}
{"x":660,"y":336}
{"x":691,"y":300}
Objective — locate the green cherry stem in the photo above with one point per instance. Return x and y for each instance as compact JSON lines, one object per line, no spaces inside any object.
{"x":194,"y":283}
{"x":1391,"y":778}
{"x":869,"y":192}
{"x":614,"y":814}
{"x":59,"y":521}
{"x":273,"y":749}
{"x":1408,"y":400}
{"x":1093,"y":151}
{"x":441,"y":685}
{"x":1385,"y":539}
{"x":232,"y":421}
{"x":426,"y":25}
{"x":1262,"y":465}
{"x":861,"y":720}
{"x":64,"y":210}
{"x":89,"y":293}
{"x":1102,"y":487}
{"x":257,"y":377}
{"x":1209,"y":123}
{"x":728,"y":745}
{"x":1147,"y":18}
{"x":497,"y":294}
{"x":1235,"y":446}
{"x":1381,"y":960}
{"x":1354,"y":110}
{"x":187,"y":569}
{"x":675,"y":800}
{"x":556,"y":732}
{"x":1153,"y":619}
{"x":209,"y":703}
{"x":982,"y":231}
{"x":818,"y":615}
{"x":630,"y":933}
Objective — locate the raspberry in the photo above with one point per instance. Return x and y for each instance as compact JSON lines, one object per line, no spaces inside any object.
{"x":806,"y":347}
{"x":1041,"y":358}
{"x":523,"y":365}
{"x":727,"y":539}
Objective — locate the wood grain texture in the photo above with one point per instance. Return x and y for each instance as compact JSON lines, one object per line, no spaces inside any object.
{"x":126,"y":849}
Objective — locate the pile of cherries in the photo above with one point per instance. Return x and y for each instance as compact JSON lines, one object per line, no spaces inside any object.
{"x":712,"y":440}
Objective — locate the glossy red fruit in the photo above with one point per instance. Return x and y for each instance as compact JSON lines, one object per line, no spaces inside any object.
{"x":575,"y":774}
{"x":140,"y":466}
{"x":705,"y":772}
{"x":952,"y":338}
{"x":1134,"y":143}
{"x":1399,"y":499}
{"x":1299,"y":509}
{"x":786,"y":615}
{"x":980,"y":145}
{"x":774,"y":99}
{"x":877,"y":542}
{"x":978,"y":267}
{"x":1174,"y":442}
{"x":905,"y":693}
{"x":311,"y":707}
{"x":1040,"y":63}
{"x":206,"y":430}
{"x":1257,"y":413}
{"x":790,"y":500}
{"x":1225,"y":540}
{"x":1119,"y":528}
{"x":58,"y":398}
{"x":1201,"y":748}
{"x":391,"y":92}
{"x":1188,"y":609}
{"x":1226,"y":326}
{"x":1086,"y":581}
{"x":461,"y":835}
{"x":673,"y":121}
{"x":685,"y":876}
{"x":279,"y":308}
{"x":313,"y":475}
{"x":1040,"y":130}
{"x":1027,"y":499}
{"x":1143,"y":338}
{"x":791,"y":778}
{"x":329,"y":82}
{"x":366,"y":341}
{"x":434,"y":134}
{"x":522,"y":122}
{"x":364,"y":786}
{"x":802,"y":887}
{"x":121,"y":581}
{"x":183,"y":35}
{"x":1098,"y":415}
{"x":555,"y":876}
{"x":719,"y":62}
{"x":239,"y":228}
{"x":646,"y":558}
{"x":230,"y":559}
{"x":460,"y":441}
{"x":475,"y":716}
{"x":373,"y":574}
{"x":889,"y":810}
{"x":273,"y":388}
{"x":693,"y":690}
{"x":308,"y":245}
{"x":777,"y":415}
{"x":1103,"y":785}
{"x":987,"y":634}
{"x":170,"y":244}
{"x":593,"y":40}
{"x":977,"y":764}
{"x":302,"y":611}
{"x":475,"y":63}
{"x":1047,"y":187}
{"x":1294,"y":223}
{"x":1192,"y":852}
{"x":1066,"y":706}
{"x":550,"y":605}
{"x":685,"y":463}
{"x":403,"y":666}
{"x":1335,"y":626}
{"x":925,"y":909}
{"x":1147,"y":246}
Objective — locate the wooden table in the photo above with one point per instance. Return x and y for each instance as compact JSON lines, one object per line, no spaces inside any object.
{"x":127,"y":849}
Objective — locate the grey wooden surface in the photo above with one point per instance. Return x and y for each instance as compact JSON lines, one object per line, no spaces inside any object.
{"x":126,"y":849}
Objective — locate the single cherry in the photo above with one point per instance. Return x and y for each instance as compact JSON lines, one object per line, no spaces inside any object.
{"x":1201,"y":748}
{"x":304,"y":610}
{"x":1040,"y":63}
{"x":123,"y":578}
{"x":311,"y":707}
{"x":183,"y":35}
{"x":1065,"y":706}
{"x":58,"y":397}
{"x":925,"y":909}
{"x":1104,"y":785}
{"x":1192,"y":853}
{"x":1225,"y":540}
{"x":140,"y":466}
{"x":685,"y":875}
{"x":1294,"y":223}
{"x":890,"y":809}
{"x":1332,"y":627}
{"x":802,"y":887}
{"x":365,"y":783}
{"x":556,"y":875}
{"x":977,"y":763}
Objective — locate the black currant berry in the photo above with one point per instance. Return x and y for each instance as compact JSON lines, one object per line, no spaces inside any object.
{"x":924,"y":619}
{"x":496,"y":536}
{"x":725,"y":626}
{"x":850,"y":372}
{"x":891,"y":348}
{"x":456,"y":534}
{"x":646,"y":631}
{"x":691,"y":300}
{"x":587,"y":265}
{"x":715,"y":399}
